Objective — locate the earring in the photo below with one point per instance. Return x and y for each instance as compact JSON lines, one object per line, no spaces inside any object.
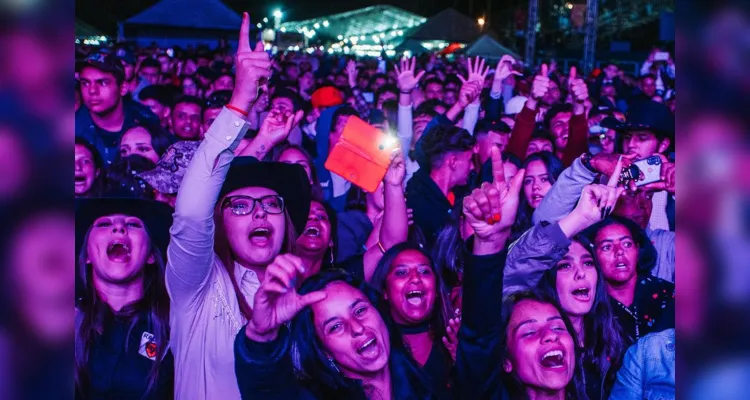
{"x":333,"y":364}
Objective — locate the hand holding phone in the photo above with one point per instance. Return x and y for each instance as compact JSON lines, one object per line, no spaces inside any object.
{"x":661,"y":56}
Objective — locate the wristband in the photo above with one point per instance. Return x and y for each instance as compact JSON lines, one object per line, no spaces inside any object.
{"x":586,"y":161}
{"x":239,"y":110}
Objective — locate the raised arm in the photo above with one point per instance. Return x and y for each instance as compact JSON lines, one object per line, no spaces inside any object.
{"x":407,"y":82}
{"x":526,"y":119}
{"x":578,"y":125}
{"x":395,"y":225}
{"x":190,"y":252}
{"x":490,"y":210}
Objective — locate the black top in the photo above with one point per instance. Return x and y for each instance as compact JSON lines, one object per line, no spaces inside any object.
{"x":653,"y":309}
{"x":432,"y":210}
{"x":118,"y":367}
{"x":437,"y":369}
{"x":264,"y":370}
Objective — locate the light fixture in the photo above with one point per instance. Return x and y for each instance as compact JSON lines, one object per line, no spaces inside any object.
{"x":283,"y":29}
{"x":316,"y":25}
{"x":480,"y":21}
{"x":265,"y":19}
{"x":259,"y":25}
{"x":325,"y":23}
{"x":340,"y":37}
{"x":569,"y":5}
{"x":278,"y":14}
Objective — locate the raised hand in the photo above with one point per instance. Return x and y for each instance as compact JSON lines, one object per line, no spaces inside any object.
{"x":607,"y":163}
{"x":505,"y":69}
{"x":396,"y":170}
{"x":541,"y":84}
{"x":477,"y":71}
{"x":469,"y":92}
{"x":596,"y":203}
{"x":491,"y":209}
{"x":351,"y":73}
{"x":450,"y":340}
{"x":253,"y":68}
{"x":277,"y":126}
{"x":277,"y":300}
{"x":577,"y":87}
{"x":407,"y":81}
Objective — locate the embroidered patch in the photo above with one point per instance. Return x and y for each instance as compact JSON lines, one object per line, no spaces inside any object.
{"x":148,"y":347}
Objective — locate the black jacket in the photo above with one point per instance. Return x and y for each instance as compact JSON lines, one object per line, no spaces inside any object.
{"x":265,"y":371}
{"x":432,"y":210}
{"x":117,"y":368}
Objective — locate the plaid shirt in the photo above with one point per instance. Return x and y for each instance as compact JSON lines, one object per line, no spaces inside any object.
{"x":362,"y":107}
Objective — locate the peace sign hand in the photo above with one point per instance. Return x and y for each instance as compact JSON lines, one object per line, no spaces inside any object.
{"x":253,"y":68}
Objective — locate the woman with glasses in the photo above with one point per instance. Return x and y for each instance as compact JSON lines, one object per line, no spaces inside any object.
{"x":233,"y":217}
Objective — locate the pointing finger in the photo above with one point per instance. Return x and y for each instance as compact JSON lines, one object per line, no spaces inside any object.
{"x":615,"y":177}
{"x":244,"y":41}
{"x":544,"y":70}
{"x":573,"y":73}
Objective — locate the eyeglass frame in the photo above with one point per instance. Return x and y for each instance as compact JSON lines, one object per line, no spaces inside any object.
{"x":227,"y":203}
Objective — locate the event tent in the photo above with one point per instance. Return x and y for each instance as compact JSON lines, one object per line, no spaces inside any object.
{"x":488,"y":48}
{"x":182,"y":23}
{"x":448,"y":25}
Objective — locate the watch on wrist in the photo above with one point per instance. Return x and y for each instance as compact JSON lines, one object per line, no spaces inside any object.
{"x":586,"y":161}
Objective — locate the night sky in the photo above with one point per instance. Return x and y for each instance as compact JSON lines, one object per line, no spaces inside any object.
{"x":104,"y":14}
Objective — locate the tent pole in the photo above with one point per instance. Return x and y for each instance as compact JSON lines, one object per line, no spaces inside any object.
{"x":531,"y":32}
{"x":589,"y":41}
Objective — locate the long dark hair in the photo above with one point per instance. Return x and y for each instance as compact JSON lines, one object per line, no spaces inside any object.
{"x":442,"y":311}
{"x":93,"y":313}
{"x":575,"y":390}
{"x":224,"y":251}
{"x":602,"y":337}
{"x":647,"y":255}
{"x":316,"y":371}
{"x":160,"y":139}
{"x":523,"y":217}
{"x":317,"y":191}
{"x":122,"y":179}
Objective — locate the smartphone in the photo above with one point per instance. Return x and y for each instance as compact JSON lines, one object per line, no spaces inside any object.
{"x":650,"y":170}
{"x":381,"y":66}
{"x":661,"y":56}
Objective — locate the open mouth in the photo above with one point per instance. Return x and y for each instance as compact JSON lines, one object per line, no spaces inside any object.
{"x":79,"y":179}
{"x":312,"y":231}
{"x":621,"y":266}
{"x":260,"y":235}
{"x":368,"y":348}
{"x":553,"y":359}
{"x":118,"y":251}
{"x":415,"y":297}
{"x":582,"y":293}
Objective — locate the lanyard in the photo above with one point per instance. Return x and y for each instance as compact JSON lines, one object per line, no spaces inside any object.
{"x":633,"y":314}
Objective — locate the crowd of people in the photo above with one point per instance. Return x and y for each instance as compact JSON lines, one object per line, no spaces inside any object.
{"x":520,"y":245}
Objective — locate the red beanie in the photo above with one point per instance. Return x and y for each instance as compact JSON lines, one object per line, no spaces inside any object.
{"x":327,"y":96}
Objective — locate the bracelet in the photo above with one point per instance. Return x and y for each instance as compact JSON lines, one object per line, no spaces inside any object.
{"x":239,"y":110}
{"x":586,"y":161}
{"x":380,"y":246}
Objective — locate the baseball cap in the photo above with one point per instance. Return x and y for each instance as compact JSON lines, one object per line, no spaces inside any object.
{"x":327,"y":96}
{"x":107,"y":63}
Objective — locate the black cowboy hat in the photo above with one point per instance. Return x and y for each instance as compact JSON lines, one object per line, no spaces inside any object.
{"x":645,"y":115}
{"x":155,"y":215}
{"x":288,"y":180}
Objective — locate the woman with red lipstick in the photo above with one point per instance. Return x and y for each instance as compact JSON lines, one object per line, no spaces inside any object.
{"x":343,"y":339}
{"x":419,"y":305}
{"x":122,"y":320}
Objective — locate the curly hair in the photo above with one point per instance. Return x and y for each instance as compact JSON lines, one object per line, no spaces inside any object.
{"x":443,"y":139}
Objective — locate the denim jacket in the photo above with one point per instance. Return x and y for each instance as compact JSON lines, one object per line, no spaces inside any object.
{"x":648,"y":369}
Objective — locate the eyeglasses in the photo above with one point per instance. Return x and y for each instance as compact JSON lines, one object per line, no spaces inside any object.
{"x":244,"y":205}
